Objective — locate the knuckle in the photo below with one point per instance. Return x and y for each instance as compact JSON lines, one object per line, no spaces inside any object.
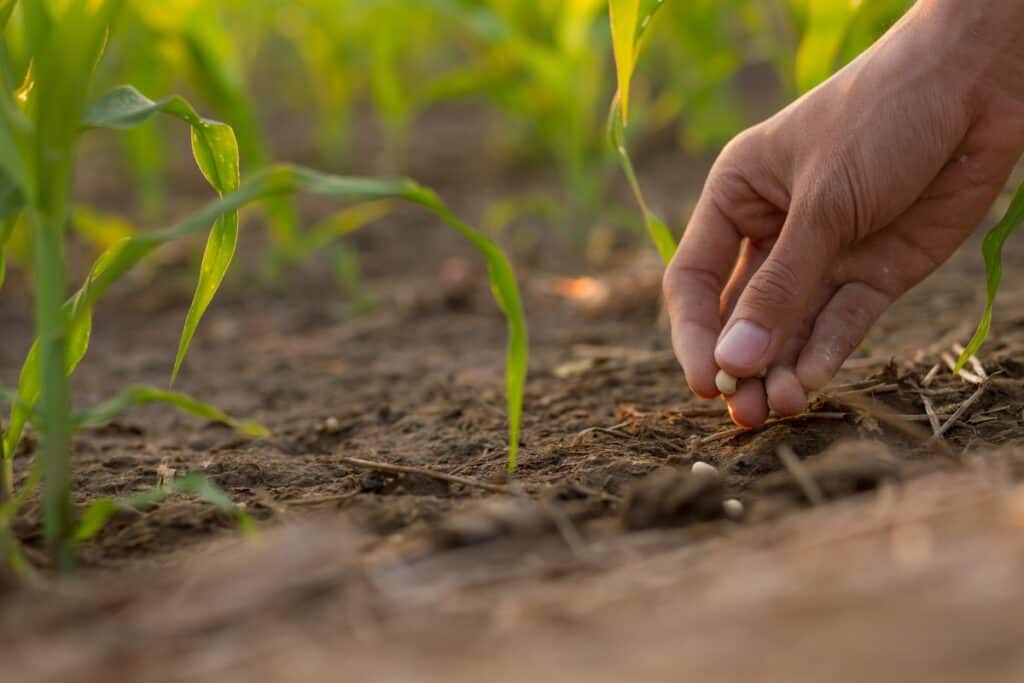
{"x":839,"y":200}
{"x":775,"y":286}
{"x":742,"y":144}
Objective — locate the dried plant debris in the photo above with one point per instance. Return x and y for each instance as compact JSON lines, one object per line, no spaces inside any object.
{"x":846,"y":468}
{"x":670,"y":498}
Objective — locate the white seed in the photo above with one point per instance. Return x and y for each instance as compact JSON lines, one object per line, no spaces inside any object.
{"x":332,"y":425}
{"x":700,"y":467}
{"x":726,"y":383}
{"x":733,"y":508}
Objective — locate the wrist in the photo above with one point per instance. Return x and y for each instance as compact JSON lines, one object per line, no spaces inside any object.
{"x":982,"y":42}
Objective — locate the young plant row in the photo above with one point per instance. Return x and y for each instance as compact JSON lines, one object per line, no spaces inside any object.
{"x":44,"y":111}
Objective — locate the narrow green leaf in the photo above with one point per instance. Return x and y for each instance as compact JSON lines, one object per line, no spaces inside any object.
{"x":141,"y":395}
{"x":656,"y":229}
{"x":99,"y":512}
{"x":100,"y":229}
{"x":6,"y":9}
{"x":630,"y":20}
{"x":279,"y":180}
{"x":6,"y":228}
{"x":215,"y":149}
{"x":11,"y":199}
{"x":30,"y":384}
{"x":625,"y":16}
{"x":992,"y":250}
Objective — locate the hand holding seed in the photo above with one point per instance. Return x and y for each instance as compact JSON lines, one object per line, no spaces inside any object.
{"x":812,"y":223}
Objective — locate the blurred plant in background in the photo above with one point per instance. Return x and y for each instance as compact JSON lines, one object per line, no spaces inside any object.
{"x":543,"y":69}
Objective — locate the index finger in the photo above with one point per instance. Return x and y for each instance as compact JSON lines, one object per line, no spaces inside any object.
{"x":693,"y":285}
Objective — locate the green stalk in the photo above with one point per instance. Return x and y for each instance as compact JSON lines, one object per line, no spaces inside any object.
{"x":6,"y":476}
{"x":49,"y":278}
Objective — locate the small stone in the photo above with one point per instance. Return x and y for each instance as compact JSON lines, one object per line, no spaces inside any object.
{"x":331,"y":425}
{"x":733,"y":508}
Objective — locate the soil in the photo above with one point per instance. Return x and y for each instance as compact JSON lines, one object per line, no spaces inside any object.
{"x":882,"y":554}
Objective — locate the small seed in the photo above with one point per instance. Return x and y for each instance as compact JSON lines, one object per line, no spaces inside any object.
{"x":733,"y":508}
{"x":700,"y":467}
{"x":726,"y":383}
{"x":763,"y":373}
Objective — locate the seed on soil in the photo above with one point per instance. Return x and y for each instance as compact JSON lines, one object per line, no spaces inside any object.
{"x":701,"y":467}
{"x":726,"y":383}
{"x":733,"y":508}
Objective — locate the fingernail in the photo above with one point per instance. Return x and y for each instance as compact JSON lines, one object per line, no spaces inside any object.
{"x":743,"y":345}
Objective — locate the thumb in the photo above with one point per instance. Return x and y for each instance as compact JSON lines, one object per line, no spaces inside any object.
{"x":774,"y":302}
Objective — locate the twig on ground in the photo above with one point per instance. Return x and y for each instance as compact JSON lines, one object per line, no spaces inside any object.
{"x":799,"y":473}
{"x":737,"y":431}
{"x":430,"y":474}
{"x":900,"y":423}
{"x":932,"y":374}
{"x":964,"y":407}
{"x":967,"y":375}
{"x":566,"y":529}
{"x":320,"y":500}
{"x":613,"y":431}
{"x":863,"y":387}
{"x":933,"y":418}
{"x":973,"y":361}
{"x":595,"y":493}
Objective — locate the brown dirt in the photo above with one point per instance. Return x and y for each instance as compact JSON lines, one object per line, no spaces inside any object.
{"x":610,"y":561}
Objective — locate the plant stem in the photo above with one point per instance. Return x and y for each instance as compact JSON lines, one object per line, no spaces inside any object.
{"x":49,"y":274}
{"x":6,"y":476}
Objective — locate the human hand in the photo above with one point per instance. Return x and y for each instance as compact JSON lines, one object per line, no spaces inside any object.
{"x":812,"y":223}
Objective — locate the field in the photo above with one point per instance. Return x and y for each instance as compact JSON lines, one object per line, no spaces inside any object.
{"x":392,"y":542}
{"x":406,"y":577}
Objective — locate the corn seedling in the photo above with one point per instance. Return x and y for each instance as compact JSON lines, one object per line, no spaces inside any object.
{"x":992,"y":251}
{"x":629,"y":22}
{"x":44,"y":111}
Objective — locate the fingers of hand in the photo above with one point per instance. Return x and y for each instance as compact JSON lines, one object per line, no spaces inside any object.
{"x":693,"y":288}
{"x":840,"y":327}
{"x":775,"y":301}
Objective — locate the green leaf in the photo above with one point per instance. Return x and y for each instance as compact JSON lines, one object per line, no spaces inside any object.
{"x":625,"y":17}
{"x":656,"y":229}
{"x":275,"y":181}
{"x":992,"y":250}
{"x":100,"y":229}
{"x":215,"y":149}
{"x":11,"y":199}
{"x":342,"y":223}
{"x":629,"y":22}
{"x":6,"y":8}
{"x":6,"y":228}
{"x":29,"y":382}
{"x":99,"y":512}
{"x":141,"y":395}
{"x":827,"y":24}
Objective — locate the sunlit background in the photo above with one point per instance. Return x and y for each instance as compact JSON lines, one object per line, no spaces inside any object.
{"x":522,"y":86}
